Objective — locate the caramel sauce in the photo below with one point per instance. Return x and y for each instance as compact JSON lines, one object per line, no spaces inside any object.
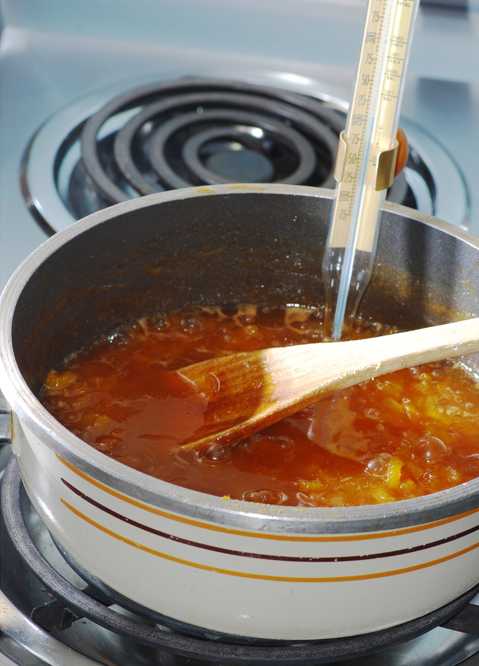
{"x":407,"y":434}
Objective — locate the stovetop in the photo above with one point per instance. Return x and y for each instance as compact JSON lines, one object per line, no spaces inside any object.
{"x":276,"y":44}
{"x":53,"y":63}
{"x":197,"y":131}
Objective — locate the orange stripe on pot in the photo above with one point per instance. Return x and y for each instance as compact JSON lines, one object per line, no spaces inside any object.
{"x":280,"y":579}
{"x":267,"y":556}
{"x":262,"y":535}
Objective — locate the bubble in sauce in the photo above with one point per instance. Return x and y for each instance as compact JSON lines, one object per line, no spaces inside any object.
{"x":160,"y":322}
{"x":227,"y":332}
{"x":214,"y":453}
{"x":246,"y":319}
{"x":430,"y":448}
{"x":379,"y":464}
{"x":252,"y":330}
{"x":285,"y":443}
{"x":190,"y":323}
{"x":305,"y":499}
{"x":265,"y":496}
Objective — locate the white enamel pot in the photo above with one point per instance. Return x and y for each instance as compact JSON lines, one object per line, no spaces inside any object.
{"x":230,"y":566}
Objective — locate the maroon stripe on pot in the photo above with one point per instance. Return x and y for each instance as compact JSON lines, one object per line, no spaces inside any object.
{"x":238,"y":553}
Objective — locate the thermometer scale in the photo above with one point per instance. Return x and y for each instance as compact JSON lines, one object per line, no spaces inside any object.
{"x":366,"y":158}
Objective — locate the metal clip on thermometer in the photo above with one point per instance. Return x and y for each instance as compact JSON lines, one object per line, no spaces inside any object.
{"x":366,"y":158}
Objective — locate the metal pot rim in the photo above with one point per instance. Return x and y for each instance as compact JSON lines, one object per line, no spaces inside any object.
{"x":228,"y":513}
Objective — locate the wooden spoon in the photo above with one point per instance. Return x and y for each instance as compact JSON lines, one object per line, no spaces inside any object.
{"x":249,"y":391}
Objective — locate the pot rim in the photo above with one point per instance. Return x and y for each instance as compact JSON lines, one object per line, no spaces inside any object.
{"x":228,"y":513}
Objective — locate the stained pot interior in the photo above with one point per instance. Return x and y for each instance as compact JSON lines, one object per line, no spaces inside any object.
{"x":223,"y":248}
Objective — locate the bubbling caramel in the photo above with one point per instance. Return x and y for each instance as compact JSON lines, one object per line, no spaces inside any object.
{"x":403,"y":435}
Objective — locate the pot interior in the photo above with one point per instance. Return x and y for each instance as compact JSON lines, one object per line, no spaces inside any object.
{"x":227,"y":247}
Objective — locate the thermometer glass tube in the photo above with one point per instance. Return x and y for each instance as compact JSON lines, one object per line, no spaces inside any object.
{"x":366,"y":159}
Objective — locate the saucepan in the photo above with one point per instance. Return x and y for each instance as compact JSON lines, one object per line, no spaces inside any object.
{"x":234,"y":567}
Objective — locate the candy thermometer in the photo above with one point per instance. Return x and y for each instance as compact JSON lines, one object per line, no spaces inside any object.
{"x":366,"y":158}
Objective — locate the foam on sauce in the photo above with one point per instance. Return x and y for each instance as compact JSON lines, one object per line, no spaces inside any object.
{"x":407,"y":434}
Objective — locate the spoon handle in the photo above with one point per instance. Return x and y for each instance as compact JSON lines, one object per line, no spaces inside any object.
{"x":253,"y":390}
{"x":315,"y":370}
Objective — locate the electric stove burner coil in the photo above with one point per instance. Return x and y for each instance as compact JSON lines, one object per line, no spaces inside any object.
{"x":201,"y":132}
{"x":70,"y":604}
